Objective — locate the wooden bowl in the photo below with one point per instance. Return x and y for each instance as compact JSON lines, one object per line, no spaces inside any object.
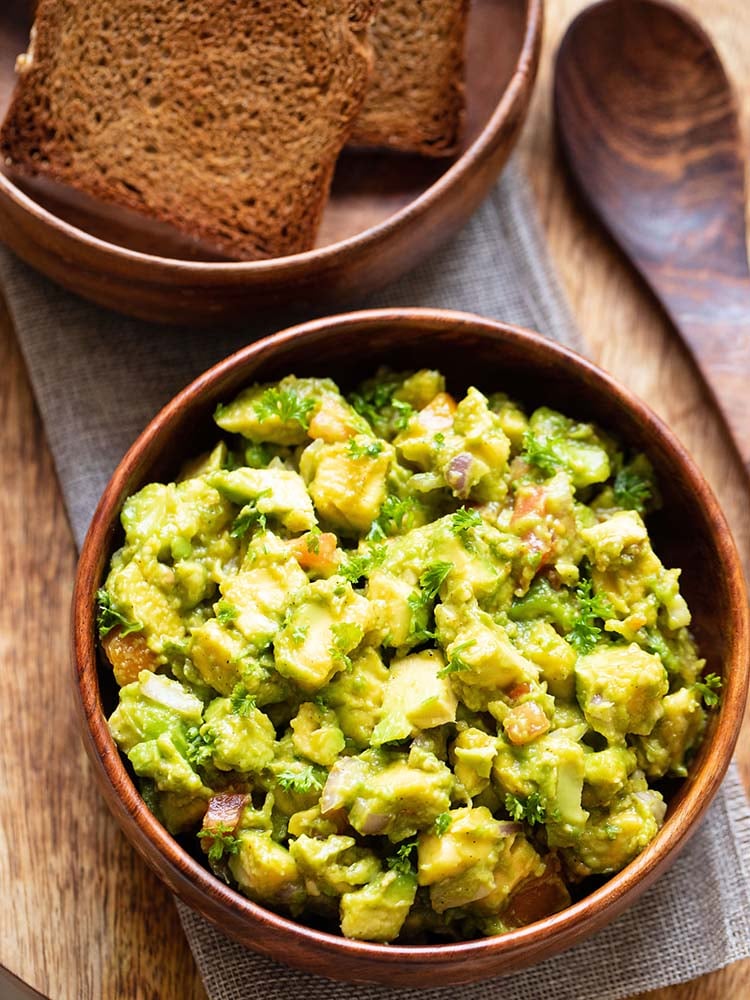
{"x":386,"y":212}
{"x":690,"y":532}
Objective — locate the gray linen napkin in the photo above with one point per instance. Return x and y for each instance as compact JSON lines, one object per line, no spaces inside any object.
{"x":98,"y":379}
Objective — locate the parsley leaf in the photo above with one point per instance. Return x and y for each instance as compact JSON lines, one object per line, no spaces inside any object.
{"x":456,"y":664}
{"x":299,"y":634}
{"x":367,"y":448}
{"x":632,"y":491}
{"x":360,"y":563}
{"x":438,"y":440}
{"x":463,"y":519}
{"x":286,"y":404}
{"x":538,"y":453}
{"x":393,"y":516}
{"x":200,"y":747}
{"x":242,"y":703}
{"x":401,"y":861}
{"x":591,"y":608}
{"x":249,"y":517}
{"x":223,"y":841}
{"x":108,"y":617}
{"x":709,"y":688}
{"x":374,"y":399}
{"x":226,"y":612}
{"x":301,"y":781}
{"x":312,"y":540}
{"x":432,"y":579}
{"x":346,"y":637}
{"x":531,"y":810}
{"x":442,"y":823}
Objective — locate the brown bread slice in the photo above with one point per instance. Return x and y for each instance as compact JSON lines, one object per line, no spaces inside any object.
{"x":416,"y":97}
{"x":221,"y":118}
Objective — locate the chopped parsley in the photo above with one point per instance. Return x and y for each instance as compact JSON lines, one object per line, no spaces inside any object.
{"x":223,"y":842}
{"x":710,"y":689}
{"x":392,"y":517}
{"x":632,"y":491}
{"x":299,"y":634}
{"x":299,"y":782}
{"x":108,"y":617}
{"x":591,"y":609}
{"x":249,"y":517}
{"x":369,"y":448}
{"x":463,"y":519}
{"x":456,"y":664}
{"x":241,"y":701}
{"x":432,"y":579}
{"x":200,"y":746}
{"x":401,"y":861}
{"x":530,"y":810}
{"x":285,"y":404}
{"x":442,"y":823}
{"x":438,"y":440}
{"x":312,"y":540}
{"x":373,"y":400}
{"x":226,"y":613}
{"x":360,"y":563}
{"x":539,"y":453}
{"x":346,"y":636}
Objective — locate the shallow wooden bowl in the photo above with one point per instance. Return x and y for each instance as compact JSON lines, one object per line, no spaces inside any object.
{"x":386,"y":212}
{"x":690,"y":532}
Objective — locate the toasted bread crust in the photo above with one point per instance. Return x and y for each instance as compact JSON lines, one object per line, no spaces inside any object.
{"x":416,"y":98}
{"x":223,"y":120}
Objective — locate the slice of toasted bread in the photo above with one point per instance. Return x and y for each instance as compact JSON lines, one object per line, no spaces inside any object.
{"x":416,"y":97}
{"x":221,"y":119}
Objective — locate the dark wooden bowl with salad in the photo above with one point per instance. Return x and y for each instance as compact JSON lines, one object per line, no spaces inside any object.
{"x":409,"y":647}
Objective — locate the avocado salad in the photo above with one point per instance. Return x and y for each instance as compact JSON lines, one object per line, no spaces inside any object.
{"x":399,"y":663}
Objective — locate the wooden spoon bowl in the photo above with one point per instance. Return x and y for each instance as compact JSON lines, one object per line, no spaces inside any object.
{"x":386,"y":212}
{"x":690,"y":532}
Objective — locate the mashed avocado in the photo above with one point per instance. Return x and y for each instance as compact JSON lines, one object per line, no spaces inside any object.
{"x":403,"y":663}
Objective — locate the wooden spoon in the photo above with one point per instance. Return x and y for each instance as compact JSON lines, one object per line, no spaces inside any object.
{"x":648,"y":124}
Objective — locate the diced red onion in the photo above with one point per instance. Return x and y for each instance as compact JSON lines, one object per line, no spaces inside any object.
{"x":224,"y":812}
{"x":373,"y":823}
{"x":338,"y":787}
{"x":457,"y":474}
{"x":656,"y":805}
{"x":507,"y":828}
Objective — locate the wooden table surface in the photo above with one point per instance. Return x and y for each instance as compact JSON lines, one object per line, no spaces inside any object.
{"x":82,"y":917}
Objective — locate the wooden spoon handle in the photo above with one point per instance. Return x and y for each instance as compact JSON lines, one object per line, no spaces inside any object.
{"x":712,"y":314}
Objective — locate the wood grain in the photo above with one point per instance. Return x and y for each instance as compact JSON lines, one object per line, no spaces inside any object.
{"x":650,"y":132}
{"x":120,"y":938}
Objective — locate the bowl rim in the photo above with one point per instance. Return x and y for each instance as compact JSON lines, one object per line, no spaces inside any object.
{"x":463,"y":166}
{"x":557,"y":930}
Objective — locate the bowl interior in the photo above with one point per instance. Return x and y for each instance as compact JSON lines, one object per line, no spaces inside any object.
{"x":690,"y":533}
{"x":368,"y":186}
{"x":684,"y":533}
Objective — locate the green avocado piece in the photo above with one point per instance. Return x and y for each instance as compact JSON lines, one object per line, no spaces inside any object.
{"x":377,"y":911}
{"x":241,"y":740}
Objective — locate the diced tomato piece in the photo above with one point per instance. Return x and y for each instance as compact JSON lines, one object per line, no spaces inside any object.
{"x":525,"y":722}
{"x":438,"y":414}
{"x":316,"y":551}
{"x":128,"y":654}
{"x":538,"y":897}
{"x":518,"y":691}
{"x":529,"y":501}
